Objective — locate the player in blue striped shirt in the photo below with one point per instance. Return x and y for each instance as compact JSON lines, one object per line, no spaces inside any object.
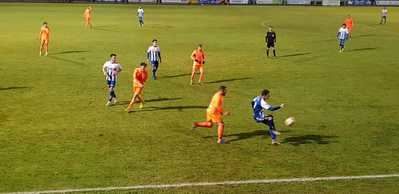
{"x":154,"y":57}
{"x":342,"y":35}
{"x":111,"y":70}
{"x":259,"y":105}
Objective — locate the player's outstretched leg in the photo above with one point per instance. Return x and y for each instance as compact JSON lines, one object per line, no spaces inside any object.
{"x":269,"y":121}
{"x":267,"y":51}
{"x":206,"y":124}
{"x":274,"y":51}
{"x":111,"y":96}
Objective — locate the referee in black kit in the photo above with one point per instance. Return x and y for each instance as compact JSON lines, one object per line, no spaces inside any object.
{"x":270,"y":41}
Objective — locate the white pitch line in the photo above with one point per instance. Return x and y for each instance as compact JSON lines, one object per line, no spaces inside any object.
{"x":201,"y":184}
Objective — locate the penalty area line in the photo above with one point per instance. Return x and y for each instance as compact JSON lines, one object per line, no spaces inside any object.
{"x":222,"y":183}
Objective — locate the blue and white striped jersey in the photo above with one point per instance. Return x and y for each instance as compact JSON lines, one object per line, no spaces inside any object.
{"x":154,"y":53}
{"x":111,"y":70}
{"x":343,"y":33}
{"x":258,"y":106}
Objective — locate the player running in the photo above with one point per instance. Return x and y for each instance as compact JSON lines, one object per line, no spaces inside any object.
{"x":215,"y":113}
{"x":111,"y":69}
{"x":87,"y":17}
{"x":44,"y":37}
{"x":140,"y":76}
{"x":140,"y":16}
{"x":384,"y":15}
{"x":270,"y":40}
{"x":259,"y":105}
{"x":154,"y":57}
{"x":198,"y":57}
{"x":342,"y":36}
{"x":349,"y":24}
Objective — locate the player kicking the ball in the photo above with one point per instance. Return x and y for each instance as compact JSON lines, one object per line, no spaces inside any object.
{"x":215,"y":113}
{"x":140,"y":76}
{"x":259,"y":105}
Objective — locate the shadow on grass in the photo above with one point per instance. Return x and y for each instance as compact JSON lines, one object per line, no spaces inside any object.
{"x":308,"y":139}
{"x":106,"y":28}
{"x":178,"y":75}
{"x":68,"y":52}
{"x":228,"y":80}
{"x":14,"y":88}
{"x":246,"y":135}
{"x":66,"y":60}
{"x":178,"y":108}
{"x":361,"y":49}
{"x":295,"y":54}
{"x":150,"y":100}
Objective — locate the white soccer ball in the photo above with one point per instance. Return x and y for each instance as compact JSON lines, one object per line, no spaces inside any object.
{"x":289,"y":121}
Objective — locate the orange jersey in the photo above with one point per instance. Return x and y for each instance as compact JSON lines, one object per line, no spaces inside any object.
{"x":216,"y":105}
{"x":349,"y":22}
{"x":140,"y":77}
{"x":198,"y":56}
{"x":44,"y":33}
{"x":87,"y":13}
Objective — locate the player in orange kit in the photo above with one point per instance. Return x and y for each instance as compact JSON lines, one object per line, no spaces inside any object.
{"x":44,"y":37}
{"x":349,"y":24}
{"x":140,"y":76}
{"x":215,"y":113}
{"x":198,"y":56}
{"x":87,"y":16}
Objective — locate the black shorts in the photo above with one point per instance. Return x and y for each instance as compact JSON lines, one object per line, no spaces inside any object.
{"x":270,"y":45}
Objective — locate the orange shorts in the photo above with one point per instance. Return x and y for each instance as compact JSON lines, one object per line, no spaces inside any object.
{"x":44,"y":42}
{"x":197,"y":66}
{"x":138,"y":90}
{"x":214,"y":117}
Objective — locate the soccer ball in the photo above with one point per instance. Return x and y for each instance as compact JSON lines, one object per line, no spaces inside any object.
{"x":289,"y":121}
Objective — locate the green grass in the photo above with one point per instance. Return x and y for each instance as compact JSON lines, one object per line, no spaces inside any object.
{"x":56,"y":133}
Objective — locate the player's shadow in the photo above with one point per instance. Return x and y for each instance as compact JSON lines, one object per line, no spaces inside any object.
{"x":361,"y":49}
{"x":14,"y":88}
{"x":295,"y":54}
{"x":246,"y":135}
{"x":228,"y":80}
{"x":66,"y":60}
{"x":69,"y":52}
{"x":150,"y":100}
{"x":309,"y":139}
{"x":178,"y":108}
{"x":174,"y":76}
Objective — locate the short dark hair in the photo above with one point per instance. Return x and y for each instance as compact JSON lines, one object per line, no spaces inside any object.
{"x":222,"y":88}
{"x":265,"y":92}
{"x":44,"y":23}
{"x":143,"y":64}
{"x":200,"y":45}
{"x":154,"y":40}
{"x":112,"y":55}
{"x":344,"y":24}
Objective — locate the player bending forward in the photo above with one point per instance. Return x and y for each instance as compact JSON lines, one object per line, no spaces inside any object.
{"x":215,"y":113}
{"x":140,"y":76}
{"x":259,"y":105}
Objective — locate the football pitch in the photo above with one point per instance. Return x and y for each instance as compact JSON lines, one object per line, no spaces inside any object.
{"x":56,"y":132}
